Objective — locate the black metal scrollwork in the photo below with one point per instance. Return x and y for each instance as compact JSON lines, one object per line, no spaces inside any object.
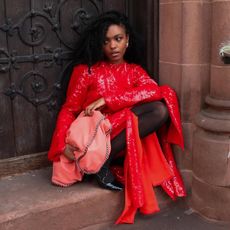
{"x":80,"y":19}
{"x":37,"y":82}
{"x":5,"y":60}
{"x":33,"y":32}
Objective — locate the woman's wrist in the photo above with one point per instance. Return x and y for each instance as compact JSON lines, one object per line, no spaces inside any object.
{"x":68,"y":152}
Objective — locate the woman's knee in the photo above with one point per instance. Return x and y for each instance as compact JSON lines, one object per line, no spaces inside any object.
{"x":162,"y":110}
{"x":157,"y":110}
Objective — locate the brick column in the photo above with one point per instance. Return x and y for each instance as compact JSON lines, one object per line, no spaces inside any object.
{"x":211,"y":147}
{"x":184,"y":65}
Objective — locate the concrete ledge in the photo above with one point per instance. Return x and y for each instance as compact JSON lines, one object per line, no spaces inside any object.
{"x":29,"y":201}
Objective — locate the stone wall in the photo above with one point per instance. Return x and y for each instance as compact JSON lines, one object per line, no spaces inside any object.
{"x":191,"y":35}
{"x":185,"y":62}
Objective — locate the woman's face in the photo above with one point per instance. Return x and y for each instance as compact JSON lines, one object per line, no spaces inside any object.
{"x":115,"y":44}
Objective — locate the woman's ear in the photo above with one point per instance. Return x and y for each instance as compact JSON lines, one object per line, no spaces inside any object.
{"x":127,"y":42}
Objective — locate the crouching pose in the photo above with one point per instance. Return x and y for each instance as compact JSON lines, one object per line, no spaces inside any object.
{"x":144,"y":116}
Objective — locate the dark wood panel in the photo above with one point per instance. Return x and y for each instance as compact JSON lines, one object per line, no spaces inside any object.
{"x":7,"y":148}
{"x":49,"y":73}
{"x":93,"y":7}
{"x":153,"y":38}
{"x":69,"y":18}
{"x":25,"y":114}
{"x":119,"y":5}
{"x":33,"y":114}
{"x":144,"y":17}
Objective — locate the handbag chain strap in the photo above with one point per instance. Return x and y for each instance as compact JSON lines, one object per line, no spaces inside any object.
{"x":88,"y":145}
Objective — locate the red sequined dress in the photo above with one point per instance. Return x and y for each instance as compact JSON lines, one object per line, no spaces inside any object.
{"x":148,"y":162}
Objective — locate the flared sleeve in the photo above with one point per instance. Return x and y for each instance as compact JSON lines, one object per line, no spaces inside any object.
{"x":76,"y":95}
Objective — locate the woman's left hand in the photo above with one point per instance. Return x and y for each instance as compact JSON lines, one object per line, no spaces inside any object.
{"x":93,"y":106}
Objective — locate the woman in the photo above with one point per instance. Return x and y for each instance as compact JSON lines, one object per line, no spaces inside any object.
{"x":108,"y":78}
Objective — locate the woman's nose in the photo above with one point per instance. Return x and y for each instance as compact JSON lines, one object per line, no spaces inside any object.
{"x":112,"y":44}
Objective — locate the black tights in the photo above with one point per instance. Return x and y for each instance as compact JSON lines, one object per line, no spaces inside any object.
{"x":151,"y":116}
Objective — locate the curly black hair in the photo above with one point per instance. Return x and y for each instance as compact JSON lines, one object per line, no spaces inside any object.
{"x":89,"y":46}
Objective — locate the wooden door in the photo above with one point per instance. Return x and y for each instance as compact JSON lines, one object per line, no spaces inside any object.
{"x":37,"y":40}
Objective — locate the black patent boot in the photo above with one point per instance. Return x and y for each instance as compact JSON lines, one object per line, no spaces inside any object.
{"x":106,"y":180}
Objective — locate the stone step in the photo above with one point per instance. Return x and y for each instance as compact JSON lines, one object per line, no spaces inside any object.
{"x":29,"y":201}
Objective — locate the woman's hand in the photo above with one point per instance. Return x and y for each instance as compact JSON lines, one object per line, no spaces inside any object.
{"x":69,"y":152}
{"x":93,"y":106}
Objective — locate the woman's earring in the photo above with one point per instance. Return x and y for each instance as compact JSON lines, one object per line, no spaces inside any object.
{"x":127,"y":44}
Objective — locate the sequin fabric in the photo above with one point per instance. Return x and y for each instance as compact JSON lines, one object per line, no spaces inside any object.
{"x":147,"y":163}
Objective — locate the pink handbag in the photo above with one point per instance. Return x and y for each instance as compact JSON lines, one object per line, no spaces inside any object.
{"x":91,"y":136}
{"x":65,"y":172}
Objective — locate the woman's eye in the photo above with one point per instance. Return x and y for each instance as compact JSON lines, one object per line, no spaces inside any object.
{"x":118,"y":39}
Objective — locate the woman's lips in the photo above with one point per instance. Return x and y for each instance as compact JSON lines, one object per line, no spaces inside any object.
{"x":114,"y":54}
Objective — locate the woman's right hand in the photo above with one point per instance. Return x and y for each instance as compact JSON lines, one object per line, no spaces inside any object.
{"x":69,"y":152}
{"x":98,"y":104}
